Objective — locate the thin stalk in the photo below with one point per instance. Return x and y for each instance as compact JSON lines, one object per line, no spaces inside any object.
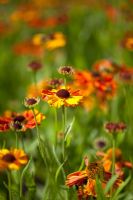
{"x":63,"y":128}
{"x":113,"y":156}
{"x":9,"y":184}
{"x":56,"y":125}
{"x":35,"y":78}
{"x":39,"y":140}
{"x":113,"y":162}
{"x":16,"y":134}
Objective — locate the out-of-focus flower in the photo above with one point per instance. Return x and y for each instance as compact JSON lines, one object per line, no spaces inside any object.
{"x":105,"y":67}
{"x":62,"y":96}
{"x":120,"y":163}
{"x":31,"y":102}
{"x":35,"y":65}
{"x":24,"y":13}
{"x":30,"y":120}
{"x":66,"y":70}
{"x":4,"y":1}
{"x":55,"y":83}
{"x":126,"y":75}
{"x":48,"y":22}
{"x":112,"y":127}
{"x":84,"y":81}
{"x":21,"y":121}
{"x":4,"y":123}
{"x":105,"y":85}
{"x":112,"y":13}
{"x":127,"y":41}
{"x":85,"y":180}
{"x":28,"y":48}
{"x":100,"y":143}
{"x":35,"y":90}
{"x":51,"y":41}
{"x":13,"y":159}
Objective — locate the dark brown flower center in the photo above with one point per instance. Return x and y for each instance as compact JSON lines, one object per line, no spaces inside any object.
{"x":17,"y":125}
{"x":19,"y":118}
{"x":9,"y":158}
{"x":31,"y":101}
{"x":63,"y":94}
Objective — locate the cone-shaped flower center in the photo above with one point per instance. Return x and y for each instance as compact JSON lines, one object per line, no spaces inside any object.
{"x":9,"y":158}
{"x":63,"y":93}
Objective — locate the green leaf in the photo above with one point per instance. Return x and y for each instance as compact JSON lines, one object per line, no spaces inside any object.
{"x":120,"y":188}
{"x":58,"y":170}
{"x":23,"y":174}
{"x":99,"y":190}
{"x":110,"y":183}
{"x":68,"y":129}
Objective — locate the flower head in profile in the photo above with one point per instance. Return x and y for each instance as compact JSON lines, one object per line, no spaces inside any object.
{"x":113,"y":127}
{"x":13,"y":159}
{"x":31,"y":102}
{"x":35,"y":65}
{"x":62,"y":97}
{"x":66,"y":70}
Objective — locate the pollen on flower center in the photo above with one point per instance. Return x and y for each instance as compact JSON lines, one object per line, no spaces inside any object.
{"x":63,"y":94}
{"x":9,"y":158}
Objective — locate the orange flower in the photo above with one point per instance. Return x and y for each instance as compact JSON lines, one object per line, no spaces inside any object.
{"x":85,"y":181}
{"x":62,"y":96}
{"x":128,"y":41}
{"x":4,"y":123}
{"x":28,"y":48}
{"x":84,"y":81}
{"x":48,"y":22}
{"x":120,"y":163}
{"x":105,"y":67}
{"x":30,"y":121}
{"x":12,"y":159}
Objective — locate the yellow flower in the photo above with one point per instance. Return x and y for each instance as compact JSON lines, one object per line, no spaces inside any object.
{"x":51,"y":41}
{"x":62,"y":97}
{"x":12,"y":159}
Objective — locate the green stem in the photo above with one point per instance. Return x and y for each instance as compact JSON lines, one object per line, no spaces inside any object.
{"x":38,"y":135}
{"x":35,"y":78}
{"x":39,"y":140}
{"x":113,"y":156}
{"x":56,"y":126}
{"x":63,"y":128}
{"x":9,"y":184}
{"x":16,"y":133}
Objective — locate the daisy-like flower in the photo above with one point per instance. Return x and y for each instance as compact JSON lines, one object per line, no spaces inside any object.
{"x":13,"y":159}
{"x":31,"y":102}
{"x":85,"y":180}
{"x":62,"y":96}
{"x":51,"y":41}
